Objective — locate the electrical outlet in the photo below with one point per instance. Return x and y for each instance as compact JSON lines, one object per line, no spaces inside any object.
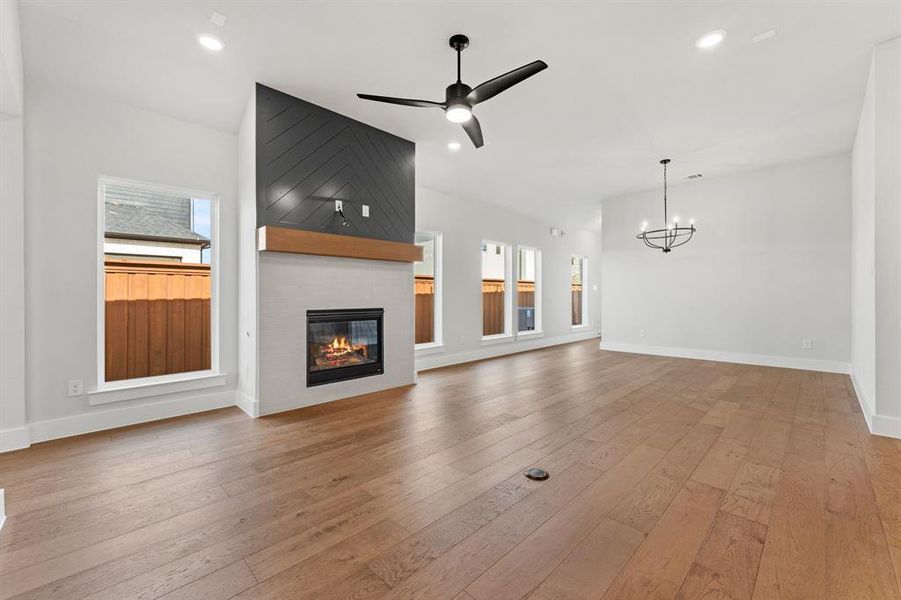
{"x":76,"y":387}
{"x":594,"y":288}
{"x":339,"y":205}
{"x":366,"y":210}
{"x":642,"y":332}
{"x":807,"y":343}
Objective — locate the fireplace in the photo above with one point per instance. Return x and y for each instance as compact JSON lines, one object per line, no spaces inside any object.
{"x":343,"y":344}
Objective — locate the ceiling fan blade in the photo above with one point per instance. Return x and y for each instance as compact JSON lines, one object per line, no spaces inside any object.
{"x":474,"y":131}
{"x":493,"y":87}
{"x":402,"y":101}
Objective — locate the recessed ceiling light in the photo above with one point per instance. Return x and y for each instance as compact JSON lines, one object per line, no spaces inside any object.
{"x":453,"y":145}
{"x":210,"y":42}
{"x":711,"y":39}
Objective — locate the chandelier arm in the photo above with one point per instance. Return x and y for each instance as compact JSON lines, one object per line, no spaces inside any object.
{"x":687,"y":239}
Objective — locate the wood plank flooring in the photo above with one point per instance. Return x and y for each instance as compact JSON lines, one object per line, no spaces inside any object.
{"x":670,"y":479}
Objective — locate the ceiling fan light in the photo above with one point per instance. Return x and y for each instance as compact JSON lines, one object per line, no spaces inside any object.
{"x":458,"y":113}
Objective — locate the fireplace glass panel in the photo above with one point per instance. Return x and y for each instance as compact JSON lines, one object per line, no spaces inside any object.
{"x":343,"y":344}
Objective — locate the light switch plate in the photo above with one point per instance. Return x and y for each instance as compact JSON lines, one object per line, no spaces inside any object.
{"x":365,"y":210}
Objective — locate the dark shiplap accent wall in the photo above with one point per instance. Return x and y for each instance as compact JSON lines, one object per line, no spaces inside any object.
{"x":308,"y":157}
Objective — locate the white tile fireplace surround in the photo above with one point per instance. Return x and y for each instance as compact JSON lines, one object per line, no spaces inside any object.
{"x":292,"y":284}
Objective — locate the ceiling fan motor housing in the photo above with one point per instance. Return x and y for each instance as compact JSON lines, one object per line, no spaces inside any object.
{"x":456,"y":93}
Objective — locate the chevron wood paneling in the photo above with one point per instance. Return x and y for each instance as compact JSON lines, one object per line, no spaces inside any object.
{"x":308,"y":157}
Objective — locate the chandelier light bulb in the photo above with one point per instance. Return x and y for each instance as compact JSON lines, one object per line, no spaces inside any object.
{"x":691,"y":221}
{"x":675,"y":219}
{"x":644,"y":225}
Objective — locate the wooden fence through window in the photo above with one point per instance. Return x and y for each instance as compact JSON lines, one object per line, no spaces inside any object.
{"x":424,"y":290}
{"x":492,"y":305}
{"x":577,"y":304}
{"x":157,"y":318}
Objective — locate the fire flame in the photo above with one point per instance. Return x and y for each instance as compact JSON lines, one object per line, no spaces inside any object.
{"x":340,"y":347}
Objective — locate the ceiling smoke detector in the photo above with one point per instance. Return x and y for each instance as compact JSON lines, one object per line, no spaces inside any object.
{"x":694,"y":176}
{"x":764,"y":36}
{"x":218,"y":19}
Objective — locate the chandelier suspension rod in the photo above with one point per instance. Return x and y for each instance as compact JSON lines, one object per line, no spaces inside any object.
{"x":665,"y":161}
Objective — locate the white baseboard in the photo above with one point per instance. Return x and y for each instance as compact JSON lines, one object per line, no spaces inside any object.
{"x":866,"y":405}
{"x":763,"y":360}
{"x":248,"y":404}
{"x":887,"y":426}
{"x":424,"y":363}
{"x":98,"y":420}
{"x":884,"y":425}
{"x":15,"y":439}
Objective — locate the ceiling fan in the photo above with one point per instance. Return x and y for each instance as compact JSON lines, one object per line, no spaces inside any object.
{"x":460,"y":98}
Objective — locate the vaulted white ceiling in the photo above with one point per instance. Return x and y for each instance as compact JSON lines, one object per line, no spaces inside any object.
{"x":626,"y":85}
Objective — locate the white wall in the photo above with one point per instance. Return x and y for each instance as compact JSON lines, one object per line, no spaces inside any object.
{"x":887,"y":81}
{"x":769,"y":266}
{"x":13,"y":433}
{"x":464,"y":224}
{"x":248,"y":261}
{"x":863,"y":261}
{"x":877,"y":255}
{"x":72,"y":139}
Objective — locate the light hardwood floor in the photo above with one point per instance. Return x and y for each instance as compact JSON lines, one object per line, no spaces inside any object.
{"x":670,"y":478}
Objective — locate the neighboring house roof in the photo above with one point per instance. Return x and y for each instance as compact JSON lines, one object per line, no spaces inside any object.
{"x":133,"y":221}
{"x":172,"y":206}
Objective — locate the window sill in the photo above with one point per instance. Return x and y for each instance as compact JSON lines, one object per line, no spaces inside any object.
{"x":502,"y":338}
{"x":147,"y":387}
{"x":426,"y":349}
{"x":528,"y":335}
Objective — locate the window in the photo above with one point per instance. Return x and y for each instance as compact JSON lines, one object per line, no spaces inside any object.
{"x":497,"y":299}
{"x":157,"y":266}
{"x":427,"y":290}
{"x":528,"y":290}
{"x":578,"y":283}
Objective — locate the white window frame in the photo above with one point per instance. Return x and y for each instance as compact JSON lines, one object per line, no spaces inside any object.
{"x":584,"y":323}
{"x":437,"y":344}
{"x":538,"y":331}
{"x":508,"y":333}
{"x":142,"y":387}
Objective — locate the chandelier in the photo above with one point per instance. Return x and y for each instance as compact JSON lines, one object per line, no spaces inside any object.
{"x":672,"y":234}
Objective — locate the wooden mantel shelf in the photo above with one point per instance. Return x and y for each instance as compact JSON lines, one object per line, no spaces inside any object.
{"x":297,"y":241}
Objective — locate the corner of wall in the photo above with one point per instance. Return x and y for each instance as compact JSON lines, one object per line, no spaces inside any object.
{"x":248,"y":263}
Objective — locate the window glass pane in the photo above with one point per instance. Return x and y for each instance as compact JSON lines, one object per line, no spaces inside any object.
{"x":494,"y":266}
{"x":526,"y":285}
{"x":157,"y":282}
{"x":424,"y":289}
{"x":576,"y":289}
